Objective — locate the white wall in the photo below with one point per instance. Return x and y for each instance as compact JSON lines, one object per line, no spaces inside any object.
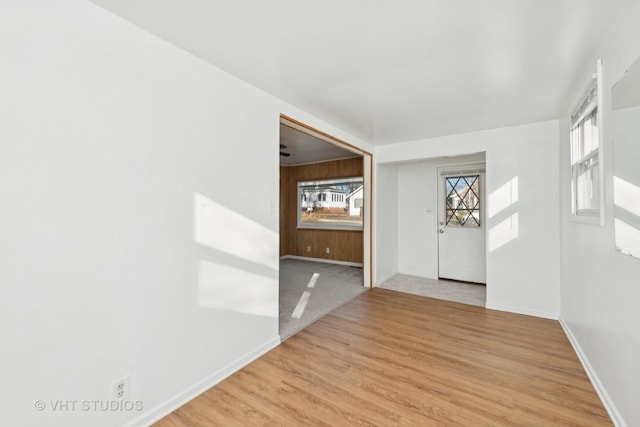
{"x":108,"y":135}
{"x":386,"y":222}
{"x":523,"y":272}
{"x":417,"y":232}
{"x":600,"y":287}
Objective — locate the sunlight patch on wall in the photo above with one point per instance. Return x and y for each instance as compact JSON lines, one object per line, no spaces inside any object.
{"x":627,"y":238}
{"x":503,"y":232}
{"x":223,"y":229}
{"x":232,"y":289}
{"x":626,"y":195}
{"x":503,"y":197}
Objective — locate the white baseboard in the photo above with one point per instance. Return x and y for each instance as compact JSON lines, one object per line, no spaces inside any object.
{"x":160,"y":411}
{"x":520,"y":310}
{"x":381,"y":280}
{"x":613,"y":412}
{"x":328,"y":261}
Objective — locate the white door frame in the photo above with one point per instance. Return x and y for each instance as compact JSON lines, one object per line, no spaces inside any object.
{"x":462,"y":166}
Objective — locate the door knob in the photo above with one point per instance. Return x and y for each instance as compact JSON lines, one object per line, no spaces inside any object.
{"x":441,"y":231}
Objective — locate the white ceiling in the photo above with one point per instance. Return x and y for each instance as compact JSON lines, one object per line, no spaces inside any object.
{"x":389,"y":71}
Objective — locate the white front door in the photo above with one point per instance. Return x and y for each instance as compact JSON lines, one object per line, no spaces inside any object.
{"x":462,"y":224}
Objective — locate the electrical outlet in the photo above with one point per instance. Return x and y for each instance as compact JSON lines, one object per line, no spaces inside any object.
{"x":328,"y":250}
{"x":120,"y":388}
{"x":308,"y":248}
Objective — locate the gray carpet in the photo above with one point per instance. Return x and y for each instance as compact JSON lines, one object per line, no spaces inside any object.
{"x":465,"y":293}
{"x":301,"y":305}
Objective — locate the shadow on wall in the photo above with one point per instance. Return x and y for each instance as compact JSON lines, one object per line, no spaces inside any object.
{"x":502,"y":210}
{"x":242,"y":275}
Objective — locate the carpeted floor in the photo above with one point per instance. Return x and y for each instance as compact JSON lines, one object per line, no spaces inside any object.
{"x":300,"y":304}
{"x":465,"y":293}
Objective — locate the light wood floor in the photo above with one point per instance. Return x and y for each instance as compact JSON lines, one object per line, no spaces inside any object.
{"x":388,"y":358}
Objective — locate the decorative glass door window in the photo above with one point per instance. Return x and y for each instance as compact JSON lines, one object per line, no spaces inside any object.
{"x":462,"y":201}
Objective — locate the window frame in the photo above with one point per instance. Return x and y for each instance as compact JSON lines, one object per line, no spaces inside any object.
{"x":334,"y":227}
{"x":576,"y":160}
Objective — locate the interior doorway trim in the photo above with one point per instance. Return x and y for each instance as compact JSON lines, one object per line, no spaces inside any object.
{"x":368,"y":181}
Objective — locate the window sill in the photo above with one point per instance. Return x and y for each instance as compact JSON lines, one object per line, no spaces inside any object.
{"x":597,"y":219}
{"x":329,"y":228}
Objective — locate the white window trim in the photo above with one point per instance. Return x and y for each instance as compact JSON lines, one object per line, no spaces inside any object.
{"x":597,"y":216}
{"x":329,"y":227}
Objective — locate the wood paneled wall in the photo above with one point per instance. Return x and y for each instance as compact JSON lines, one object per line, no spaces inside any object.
{"x":344,"y":245}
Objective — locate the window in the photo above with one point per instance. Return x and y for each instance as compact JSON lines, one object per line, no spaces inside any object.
{"x":331,"y":203}
{"x":586,"y":170}
{"x":462,"y":200}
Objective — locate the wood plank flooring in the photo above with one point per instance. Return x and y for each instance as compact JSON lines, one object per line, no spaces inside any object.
{"x":392,"y":359}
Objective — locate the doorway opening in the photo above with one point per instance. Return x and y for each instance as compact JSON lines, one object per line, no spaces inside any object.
{"x":442,"y":232}
{"x":325,"y":224}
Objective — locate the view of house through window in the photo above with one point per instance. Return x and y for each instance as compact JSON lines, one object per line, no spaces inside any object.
{"x":463,"y":200}
{"x":331,"y":203}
